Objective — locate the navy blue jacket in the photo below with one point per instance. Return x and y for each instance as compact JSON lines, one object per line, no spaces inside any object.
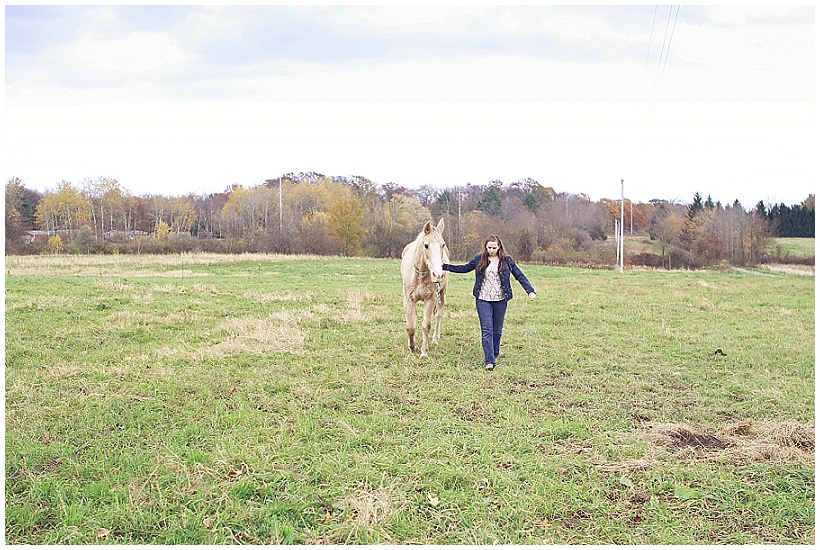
{"x":508,"y":267}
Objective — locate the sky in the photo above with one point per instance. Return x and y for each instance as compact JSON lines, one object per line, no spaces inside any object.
{"x":672,"y":100}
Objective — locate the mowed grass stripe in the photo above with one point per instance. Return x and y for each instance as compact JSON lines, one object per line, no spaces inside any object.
{"x":219,"y":399}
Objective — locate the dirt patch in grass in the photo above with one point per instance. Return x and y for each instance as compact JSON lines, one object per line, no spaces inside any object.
{"x":740,"y":442}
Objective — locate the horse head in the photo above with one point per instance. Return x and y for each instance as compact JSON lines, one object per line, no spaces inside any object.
{"x":432,"y":246}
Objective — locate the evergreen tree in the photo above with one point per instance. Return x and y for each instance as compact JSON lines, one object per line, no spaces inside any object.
{"x":490,"y":202}
{"x":530,"y":202}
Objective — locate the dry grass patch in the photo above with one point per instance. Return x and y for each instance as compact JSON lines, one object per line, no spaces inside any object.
{"x":171,"y":288}
{"x":741,"y":442}
{"x":370,"y":506}
{"x":791,"y":269}
{"x":41,"y":302}
{"x":366,"y":509}
{"x":351,"y":312}
{"x":60,"y":372}
{"x":353,"y":308}
{"x":82,"y":264}
{"x":115,"y":285}
{"x":268,"y":297}
{"x":278,"y":333}
{"x":126,"y":319}
{"x":206,"y":289}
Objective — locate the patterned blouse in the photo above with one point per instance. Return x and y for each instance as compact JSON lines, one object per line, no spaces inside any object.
{"x":491,"y":286}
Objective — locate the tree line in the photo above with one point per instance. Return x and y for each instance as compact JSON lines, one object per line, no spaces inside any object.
{"x":310,"y":213}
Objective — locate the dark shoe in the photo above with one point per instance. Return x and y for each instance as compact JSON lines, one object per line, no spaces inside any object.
{"x":489,"y":366}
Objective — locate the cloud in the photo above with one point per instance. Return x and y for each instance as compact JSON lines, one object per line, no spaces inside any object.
{"x":135,"y":56}
{"x":739,"y":15}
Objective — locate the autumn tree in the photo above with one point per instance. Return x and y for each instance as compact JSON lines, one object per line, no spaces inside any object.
{"x":107,"y":200}
{"x":313,"y":235}
{"x":182,"y":215}
{"x":344,"y":222}
{"x":698,"y":236}
{"x":208,"y":209}
{"x":665,"y":227}
{"x":401,"y":219}
{"x":743,"y":235}
{"x":522,"y":235}
{"x":158,"y":208}
{"x":232,"y":211}
{"x":635,"y":218}
{"x":55,"y":244}
{"x":65,"y":209}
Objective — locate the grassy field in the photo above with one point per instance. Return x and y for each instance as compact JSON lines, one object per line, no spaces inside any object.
{"x":794,"y":246}
{"x":786,"y":246}
{"x":209,"y":399}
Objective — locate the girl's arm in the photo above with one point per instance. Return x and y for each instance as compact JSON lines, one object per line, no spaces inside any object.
{"x":463,"y":268}
{"x":520,"y":277}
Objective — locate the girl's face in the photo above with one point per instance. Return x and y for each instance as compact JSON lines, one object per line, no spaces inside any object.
{"x":492,"y":248}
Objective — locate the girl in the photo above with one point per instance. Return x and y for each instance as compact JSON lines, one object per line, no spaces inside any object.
{"x":492,"y":290}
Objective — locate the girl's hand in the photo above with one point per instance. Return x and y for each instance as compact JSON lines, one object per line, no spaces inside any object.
{"x":532,"y":295}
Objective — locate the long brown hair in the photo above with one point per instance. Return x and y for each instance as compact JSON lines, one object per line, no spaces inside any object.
{"x":485,"y":257}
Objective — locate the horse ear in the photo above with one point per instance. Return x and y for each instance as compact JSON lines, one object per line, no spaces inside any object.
{"x":427,"y":228}
{"x":440,"y":225}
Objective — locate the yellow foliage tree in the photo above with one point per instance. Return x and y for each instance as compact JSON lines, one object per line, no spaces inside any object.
{"x":345,"y":223}
{"x":162,"y":230}
{"x":55,"y":244}
{"x":183,"y":215}
{"x":65,"y":209}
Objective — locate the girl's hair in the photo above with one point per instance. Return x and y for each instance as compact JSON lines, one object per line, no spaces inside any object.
{"x":485,"y":257}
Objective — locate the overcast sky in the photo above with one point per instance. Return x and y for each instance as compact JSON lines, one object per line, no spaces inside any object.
{"x":172,"y":100}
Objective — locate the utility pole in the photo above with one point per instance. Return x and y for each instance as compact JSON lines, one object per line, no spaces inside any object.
{"x":280,"y":204}
{"x":621,"y":239}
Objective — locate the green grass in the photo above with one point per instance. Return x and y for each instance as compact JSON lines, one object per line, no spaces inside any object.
{"x":793,"y":246}
{"x":216,"y":399}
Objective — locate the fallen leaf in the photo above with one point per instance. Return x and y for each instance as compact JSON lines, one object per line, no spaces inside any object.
{"x":102,"y":533}
{"x":626,"y":481}
{"x":206,"y":522}
{"x":432,"y":499}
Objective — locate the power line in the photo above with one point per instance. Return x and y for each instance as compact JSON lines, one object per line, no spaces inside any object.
{"x":649,"y":48}
{"x":672,"y":34}
{"x":664,"y":57}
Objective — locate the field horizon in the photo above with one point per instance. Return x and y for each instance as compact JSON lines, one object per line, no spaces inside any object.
{"x":266,"y":399}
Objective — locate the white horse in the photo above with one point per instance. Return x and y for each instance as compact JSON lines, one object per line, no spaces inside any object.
{"x":424,"y":280}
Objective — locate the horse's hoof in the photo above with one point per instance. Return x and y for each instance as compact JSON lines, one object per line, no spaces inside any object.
{"x":424,"y":356}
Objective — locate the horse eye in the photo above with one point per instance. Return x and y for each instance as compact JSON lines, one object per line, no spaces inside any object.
{"x":426,"y":245}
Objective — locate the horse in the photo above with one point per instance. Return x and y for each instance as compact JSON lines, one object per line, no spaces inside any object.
{"x":424,"y":280}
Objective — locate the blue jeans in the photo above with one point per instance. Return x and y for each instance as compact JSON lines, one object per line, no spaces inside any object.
{"x":491,"y":317}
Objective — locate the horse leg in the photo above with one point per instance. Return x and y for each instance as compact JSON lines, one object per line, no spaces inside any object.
{"x":410,"y":323}
{"x":439,"y":311}
{"x":425,"y":327}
